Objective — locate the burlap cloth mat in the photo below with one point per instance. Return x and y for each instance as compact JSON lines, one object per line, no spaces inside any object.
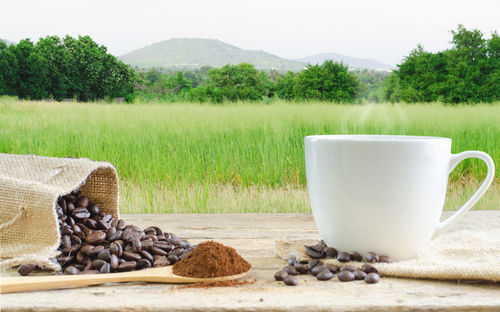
{"x":29,"y":188}
{"x":460,"y":255}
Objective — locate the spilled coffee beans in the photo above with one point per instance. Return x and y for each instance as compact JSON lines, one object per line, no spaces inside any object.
{"x":95,"y":242}
{"x":324,"y":272}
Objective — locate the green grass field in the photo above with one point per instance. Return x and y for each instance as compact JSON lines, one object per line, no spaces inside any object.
{"x":238,"y":157}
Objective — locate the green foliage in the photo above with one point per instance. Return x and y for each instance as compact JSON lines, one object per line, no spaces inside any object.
{"x":68,"y":68}
{"x":330,"y":81}
{"x":284,"y":86}
{"x":468,"y":72}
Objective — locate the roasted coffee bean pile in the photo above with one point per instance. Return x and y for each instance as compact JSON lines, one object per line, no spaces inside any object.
{"x":95,"y":242}
{"x":324,"y":272}
{"x":321,"y":251}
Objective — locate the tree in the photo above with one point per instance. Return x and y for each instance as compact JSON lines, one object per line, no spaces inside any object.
{"x":330,"y":81}
{"x":284,"y":86}
{"x":8,"y":70}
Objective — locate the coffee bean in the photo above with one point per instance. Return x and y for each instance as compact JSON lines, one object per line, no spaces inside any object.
{"x":143,"y":263}
{"x":385,"y":259}
{"x":355,"y":256}
{"x":368,"y":268}
{"x":346,"y":276}
{"x":316,"y":270}
{"x":104,"y":254}
{"x":91,"y":223}
{"x":350,"y":268}
{"x":157,"y":251}
{"x":313,"y":253}
{"x":66,"y":241}
{"x":103,"y":225}
{"x":93,"y":209}
{"x":161,"y":261}
{"x":97,"y":264}
{"x":107,"y":218}
{"x":137,"y":246}
{"x":25,"y":269}
{"x":372,"y":257}
{"x":80,"y":258}
{"x":72,"y":270}
{"x":76,"y":229}
{"x":105,"y":268}
{"x":95,"y":251}
{"x":115,"y":236}
{"x":173,"y":258}
{"x":344,"y":257}
{"x":324,"y":275}
{"x":96,"y":237}
{"x":113,"y":262}
{"x":83,"y":201}
{"x":75,"y":239}
{"x":121,"y":225}
{"x":70,"y":208}
{"x":146,"y":255}
{"x":280,"y":275}
{"x":66,"y":230}
{"x":313,"y":263}
{"x":81,"y":213}
{"x":147,"y":243}
{"x":116,"y":249}
{"x":127,"y":266}
{"x":302,"y":269}
{"x":132,"y":256}
{"x":359,"y":275}
{"x":372,"y":278}
{"x":291,"y":270}
{"x":290,"y":280}
{"x":331,"y":252}
{"x":86,"y":249}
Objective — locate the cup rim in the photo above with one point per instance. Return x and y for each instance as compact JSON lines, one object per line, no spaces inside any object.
{"x":374,"y":137}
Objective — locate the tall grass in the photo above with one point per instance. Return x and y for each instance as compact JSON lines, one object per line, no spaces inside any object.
{"x":175,"y":146}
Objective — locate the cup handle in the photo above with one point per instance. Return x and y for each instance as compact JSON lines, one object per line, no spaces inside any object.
{"x":454,"y":161}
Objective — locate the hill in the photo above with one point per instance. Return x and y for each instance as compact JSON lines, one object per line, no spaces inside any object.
{"x":195,"y":53}
{"x":352,"y":62}
{"x":8,"y":42}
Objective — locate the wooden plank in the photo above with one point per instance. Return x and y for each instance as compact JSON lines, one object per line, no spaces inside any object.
{"x":253,"y":235}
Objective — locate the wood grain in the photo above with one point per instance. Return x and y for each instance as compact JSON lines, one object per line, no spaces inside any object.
{"x":253,"y":235}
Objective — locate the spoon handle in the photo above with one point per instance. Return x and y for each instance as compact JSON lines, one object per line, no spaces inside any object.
{"x":27,"y":283}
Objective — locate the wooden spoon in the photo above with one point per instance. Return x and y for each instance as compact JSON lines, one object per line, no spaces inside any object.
{"x":156,"y":275}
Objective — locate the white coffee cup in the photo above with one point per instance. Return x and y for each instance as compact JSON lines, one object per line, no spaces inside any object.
{"x":383,"y":193}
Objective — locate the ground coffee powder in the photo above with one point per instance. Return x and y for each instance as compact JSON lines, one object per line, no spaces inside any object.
{"x":211,"y":259}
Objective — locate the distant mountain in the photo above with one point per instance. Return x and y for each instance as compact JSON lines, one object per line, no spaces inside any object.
{"x":7,"y":41}
{"x":195,"y":53}
{"x":352,"y":62}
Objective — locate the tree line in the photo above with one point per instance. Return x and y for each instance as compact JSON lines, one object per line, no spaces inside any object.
{"x":80,"y":68}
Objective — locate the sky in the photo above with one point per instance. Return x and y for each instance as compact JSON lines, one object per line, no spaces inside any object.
{"x":385,"y":30}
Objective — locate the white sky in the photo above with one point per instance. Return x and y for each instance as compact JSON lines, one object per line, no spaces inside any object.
{"x":385,"y":30}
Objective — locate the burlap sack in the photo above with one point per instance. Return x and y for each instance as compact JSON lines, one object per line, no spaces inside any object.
{"x":460,"y":255}
{"x":29,"y":188}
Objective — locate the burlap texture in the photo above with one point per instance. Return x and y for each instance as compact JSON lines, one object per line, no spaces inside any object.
{"x":29,"y":188}
{"x":460,"y":255}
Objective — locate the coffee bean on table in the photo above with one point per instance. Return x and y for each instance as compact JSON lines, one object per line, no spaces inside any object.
{"x":146,"y":255}
{"x":346,"y":276}
{"x":173,"y":258}
{"x":324,"y":275}
{"x":137,"y":245}
{"x":157,"y":251}
{"x":113,"y":262}
{"x":344,"y":257}
{"x":25,"y":269}
{"x":302,"y":269}
{"x":316,"y":270}
{"x":372,"y":278}
{"x":104,"y":254}
{"x":97,"y":264}
{"x":385,"y":259}
{"x":372,"y":257}
{"x":81,"y":213}
{"x":280,"y":275}
{"x":93,"y":209}
{"x":331,"y":252}
{"x":359,"y":275}
{"x":161,"y":261}
{"x":290,"y":280}
{"x":368,"y":268}
{"x":355,"y":256}
{"x":105,"y":268}
{"x":291,"y":270}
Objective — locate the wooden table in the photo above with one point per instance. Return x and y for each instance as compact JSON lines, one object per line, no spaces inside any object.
{"x":253,"y":235}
